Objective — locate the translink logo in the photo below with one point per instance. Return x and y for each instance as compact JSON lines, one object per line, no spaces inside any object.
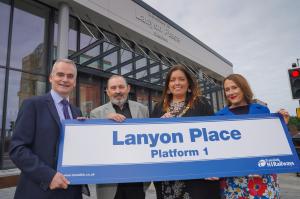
{"x":274,"y":162}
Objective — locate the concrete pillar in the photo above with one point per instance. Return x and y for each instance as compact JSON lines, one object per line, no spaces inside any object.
{"x":63,"y":31}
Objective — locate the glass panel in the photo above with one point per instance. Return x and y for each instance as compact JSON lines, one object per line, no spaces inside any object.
{"x":89,"y":95}
{"x":154,"y":80}
{"x":141,"y":63}
{"x":2,"y":77}
{"x":28,"y":37}
{"x":107,"y":46}
{"x":110,"y":60}
{"x":164,"y":67}
{"x":142,"y":96}
{"x":215,"y":104}
{"x":155,"y":98}
{"x":55,"y":40}
{"x":72,"y":36}
{"x":220,"y":97}
{"x":141,"y":75}
{"x":154,"y":69}
{"x":72,"y":97}
{"x":86,"y":38}
{"x":126,"y":69}
{"x":125,"y":55}
{"x":89,"y":55}
{"x":4,"y":27}
{"x":21,"y":86}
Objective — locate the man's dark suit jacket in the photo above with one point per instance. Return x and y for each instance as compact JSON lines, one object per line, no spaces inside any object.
{"x":34,"y":149}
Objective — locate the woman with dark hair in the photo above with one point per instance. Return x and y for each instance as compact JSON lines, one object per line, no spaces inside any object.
{"x":239,"y":99}
{"x":182,"y":98}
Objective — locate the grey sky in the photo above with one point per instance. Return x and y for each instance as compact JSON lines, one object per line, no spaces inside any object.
{"x":260,"y":37}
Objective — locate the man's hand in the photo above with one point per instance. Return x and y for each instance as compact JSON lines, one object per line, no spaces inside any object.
{"x":59,"y":182}
{"x":116,"y":117}
{"x":81,"y":118}
{"x":285,"y":114}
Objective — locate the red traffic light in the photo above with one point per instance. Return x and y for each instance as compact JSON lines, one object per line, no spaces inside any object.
{"x":295,"y":73}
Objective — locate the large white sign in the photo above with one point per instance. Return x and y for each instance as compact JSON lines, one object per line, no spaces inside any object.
{"x":97,"y":145}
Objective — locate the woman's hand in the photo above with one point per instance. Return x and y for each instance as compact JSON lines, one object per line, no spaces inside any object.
{"x":81,"y":118}
{"x":285,"y":114}
{"x":167,"y":115}
{"x":253,"y":176}
{"x":212,"y":178}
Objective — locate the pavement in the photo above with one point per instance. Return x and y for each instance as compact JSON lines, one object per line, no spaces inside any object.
{"x":289,"y":188}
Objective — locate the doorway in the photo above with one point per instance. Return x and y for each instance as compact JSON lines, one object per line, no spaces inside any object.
{"x":90,"y":94}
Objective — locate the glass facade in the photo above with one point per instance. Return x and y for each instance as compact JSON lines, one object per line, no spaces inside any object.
{"x":30,"y":47}
{"x":4,"y":28}
{"x":2,"y":76}
{"x":21,"y":85}
{"x":28,"y":37}
{"x":90,"y":97}
{"x":155,"y":98}
{"x":142,"y":96}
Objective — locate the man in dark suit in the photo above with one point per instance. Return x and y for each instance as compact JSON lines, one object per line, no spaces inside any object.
{"x":34,"y":145}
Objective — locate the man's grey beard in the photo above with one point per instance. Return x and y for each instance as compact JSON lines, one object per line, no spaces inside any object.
{"x":120,"y":102}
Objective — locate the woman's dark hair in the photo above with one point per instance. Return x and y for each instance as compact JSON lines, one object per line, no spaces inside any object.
{"x":193,"y":87}
{"x":243,"y":84}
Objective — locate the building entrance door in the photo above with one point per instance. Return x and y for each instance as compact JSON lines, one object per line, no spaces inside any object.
{"x":90,"y":94}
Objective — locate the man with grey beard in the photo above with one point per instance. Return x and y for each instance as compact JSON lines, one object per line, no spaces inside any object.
{"x":118,"y":109}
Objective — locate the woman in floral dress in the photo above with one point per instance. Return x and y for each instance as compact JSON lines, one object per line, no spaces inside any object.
{"x":239,"y":98}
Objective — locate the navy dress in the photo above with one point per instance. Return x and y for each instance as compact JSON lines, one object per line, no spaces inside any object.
{"x":188,"y":189}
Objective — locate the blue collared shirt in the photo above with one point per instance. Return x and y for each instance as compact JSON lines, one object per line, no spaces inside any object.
{"x":59,"y":107}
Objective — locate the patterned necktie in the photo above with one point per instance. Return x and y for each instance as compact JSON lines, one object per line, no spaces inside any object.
{"x":65,"y":104}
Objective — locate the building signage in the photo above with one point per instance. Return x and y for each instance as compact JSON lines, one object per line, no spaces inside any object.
{"x":104,"y":151}
{"x":156,"y":26}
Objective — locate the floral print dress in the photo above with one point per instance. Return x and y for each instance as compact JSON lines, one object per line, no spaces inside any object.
{"x":255,"y":187}
{"x":258,"y":187}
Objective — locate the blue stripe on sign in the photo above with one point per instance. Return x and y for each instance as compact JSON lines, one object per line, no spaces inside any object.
{"x":181,"y":170}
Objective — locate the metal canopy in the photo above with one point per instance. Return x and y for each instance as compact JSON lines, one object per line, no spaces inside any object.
{"x":133,"y":61}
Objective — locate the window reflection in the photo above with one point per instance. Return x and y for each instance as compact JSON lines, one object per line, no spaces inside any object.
{"x":154,"y":69}
{"x":4,"y":27}
{"x":142,"y":74}
{"x":110,"y":61}
{"x":72,"y":36}
{"x":2,"y":77}
{"x":89,"y":95}
{"x":155,"y":98}
{"x":126,"y":69}
{"x":214,"y":100}
{"x":28,"y":36}
{"x":142,"y":96}
{"x":20,"y":87}
{"x":86,"y":39}
{"x":141,"y":63}
{"x":125,"y":55}
{"x":220,"y":97}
